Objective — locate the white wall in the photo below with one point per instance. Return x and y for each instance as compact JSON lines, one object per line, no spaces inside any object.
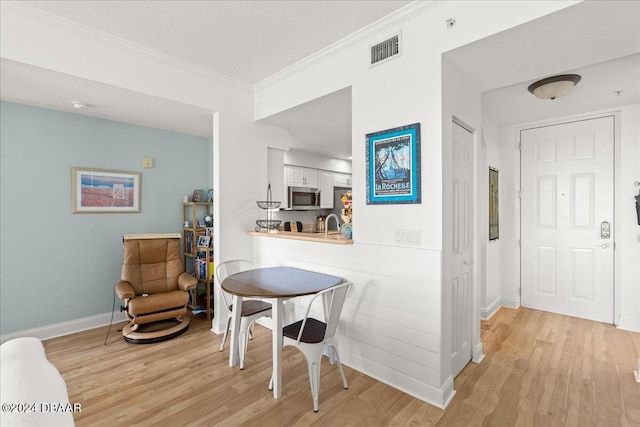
{"x":399,"y":290}
{"x":239,"y":144}
{"x":509,"y":263}
{"x":491,"y":298}
{"x":628,"y":235}
{"x":461,"y":101}
{"x":402,"y":91}
{"x":390,"y":326}
{"x":70,"y":271}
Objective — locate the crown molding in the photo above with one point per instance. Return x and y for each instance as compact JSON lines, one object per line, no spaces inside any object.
{"x":22,"y":10}
{"x":383,"y":25}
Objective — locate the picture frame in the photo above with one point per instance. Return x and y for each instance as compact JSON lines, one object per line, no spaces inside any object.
{"x":393,"y":166}
{"x":494,"y":206}
{"x":209,"y":232}
{"x":203,"y":241}
{"x":197,"y":196}
{"x":105,"y":191}
{"x":209,"y":197}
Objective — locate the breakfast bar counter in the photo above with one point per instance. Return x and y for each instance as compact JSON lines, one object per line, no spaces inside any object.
{"x":333,"y":237}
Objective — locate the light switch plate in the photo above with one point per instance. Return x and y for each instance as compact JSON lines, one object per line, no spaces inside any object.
{"x":147,"y":162}
{"x":408,"y":237}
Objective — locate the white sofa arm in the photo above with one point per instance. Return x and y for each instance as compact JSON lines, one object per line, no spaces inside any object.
{"x":32,"y":390}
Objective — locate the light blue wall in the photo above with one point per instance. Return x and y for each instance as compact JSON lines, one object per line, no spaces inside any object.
{"x":57,"y":266}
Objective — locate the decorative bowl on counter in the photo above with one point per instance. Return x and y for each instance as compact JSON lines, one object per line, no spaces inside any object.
{"x":268,"y":224}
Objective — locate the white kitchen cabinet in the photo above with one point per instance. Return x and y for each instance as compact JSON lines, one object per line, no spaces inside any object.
{"x":310,"y":177}
{"x":294,"y":176}
{"x":302,"y":177}
{"x":341,"y":180}
{"x":325,"y":185}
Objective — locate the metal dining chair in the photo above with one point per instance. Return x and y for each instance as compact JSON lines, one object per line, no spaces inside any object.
{"x":252,"y":309}
{"x":312,"y":336}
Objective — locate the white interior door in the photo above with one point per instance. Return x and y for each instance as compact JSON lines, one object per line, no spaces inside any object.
{"x":567,"y":213}
{"x":462,"y":279}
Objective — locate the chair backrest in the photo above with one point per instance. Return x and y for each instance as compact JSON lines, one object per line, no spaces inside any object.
{"x":152,"y":263}
{"x":334,"y":299}
{"x":227,"y":268}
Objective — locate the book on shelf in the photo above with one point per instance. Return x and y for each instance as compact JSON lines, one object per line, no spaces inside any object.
{"x":204,"y":269}
{"x":188,"y":242}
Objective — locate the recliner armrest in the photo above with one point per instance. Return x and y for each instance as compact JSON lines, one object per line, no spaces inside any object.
{"x":125,"y":290}
{"x":187,"y":281}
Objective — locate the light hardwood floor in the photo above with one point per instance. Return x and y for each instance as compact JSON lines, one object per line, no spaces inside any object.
{"x":540,"y":369}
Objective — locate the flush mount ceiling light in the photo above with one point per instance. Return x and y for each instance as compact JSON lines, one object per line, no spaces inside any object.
{"x":555,"y":86}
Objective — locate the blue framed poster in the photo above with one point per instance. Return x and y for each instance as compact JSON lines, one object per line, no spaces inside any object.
{"x":393,"y":166}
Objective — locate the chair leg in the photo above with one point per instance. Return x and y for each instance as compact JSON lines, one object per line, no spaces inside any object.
{"x":226,"y":331}
{"x":344,"y":379}
{"x":314,"y":381}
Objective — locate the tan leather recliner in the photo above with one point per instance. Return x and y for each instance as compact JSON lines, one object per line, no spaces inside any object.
{"x":154,"y":288}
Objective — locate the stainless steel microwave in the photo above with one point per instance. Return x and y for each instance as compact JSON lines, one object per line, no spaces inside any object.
{"x":303,"y":199}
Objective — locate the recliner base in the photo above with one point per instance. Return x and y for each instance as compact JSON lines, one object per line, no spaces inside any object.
{"x":154,"y":332}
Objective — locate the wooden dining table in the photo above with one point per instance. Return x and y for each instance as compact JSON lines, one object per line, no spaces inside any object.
{"x":276,"y":284}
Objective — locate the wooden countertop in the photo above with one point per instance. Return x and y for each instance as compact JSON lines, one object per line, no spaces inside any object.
{"x":335,"y":237}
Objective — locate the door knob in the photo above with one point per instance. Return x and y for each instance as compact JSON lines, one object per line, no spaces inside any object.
{"x":603,"y":246}
{"x":465,"y":262}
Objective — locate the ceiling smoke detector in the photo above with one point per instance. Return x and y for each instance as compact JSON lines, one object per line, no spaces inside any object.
{"x":555,"y":86}
{"x":79,"y":105}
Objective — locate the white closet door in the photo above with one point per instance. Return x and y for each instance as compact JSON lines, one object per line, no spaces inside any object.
{"x":462,"y":277}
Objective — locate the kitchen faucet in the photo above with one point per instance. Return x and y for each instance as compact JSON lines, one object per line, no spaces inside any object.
{"x":326,"y":224}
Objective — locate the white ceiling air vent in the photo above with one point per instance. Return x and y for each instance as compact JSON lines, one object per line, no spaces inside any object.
{"x":386,"y":50}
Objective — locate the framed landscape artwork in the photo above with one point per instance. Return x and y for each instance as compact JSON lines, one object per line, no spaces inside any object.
{"x":105,"y":191}
{"x":494,"y":211}
{"x":393,"y":165}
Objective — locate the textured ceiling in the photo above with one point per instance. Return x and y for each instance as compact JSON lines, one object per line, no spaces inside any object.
{"x":250,"y":40}
{"x":39,"y":87}
{"x":245,"y":40}
{"x":599,"y":40}
{"x":322,"y":125}
{"x":578,"y":36}
{"x":598,"y":90}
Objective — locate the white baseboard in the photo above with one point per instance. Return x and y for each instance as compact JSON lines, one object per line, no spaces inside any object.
{"x":439,"y":397}
{"x":510,"y":302}
{"x":629,"y":324}
{"x":478,"y":353}
{"x":486,"y":313}
{"x":66,"y":328}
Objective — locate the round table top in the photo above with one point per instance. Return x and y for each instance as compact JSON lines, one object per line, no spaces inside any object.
{"x":278,"y":282}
